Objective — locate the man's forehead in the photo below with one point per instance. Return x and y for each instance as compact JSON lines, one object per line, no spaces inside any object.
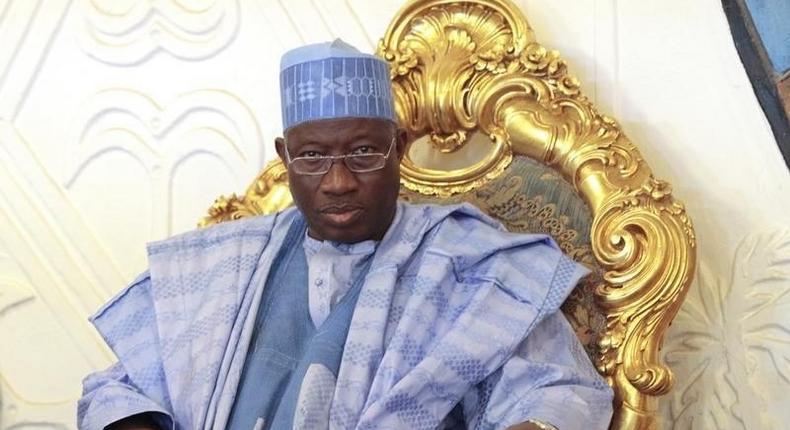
{"x":340,"y":131}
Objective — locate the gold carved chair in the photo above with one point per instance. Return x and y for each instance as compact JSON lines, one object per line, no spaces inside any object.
{"x":494,"y":118}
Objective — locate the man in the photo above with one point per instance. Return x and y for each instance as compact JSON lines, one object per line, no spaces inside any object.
{"x":350,"y":311}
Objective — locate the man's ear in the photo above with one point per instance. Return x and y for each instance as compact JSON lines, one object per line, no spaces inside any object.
{"x":279,"y":145}
{"x":401,"y":142}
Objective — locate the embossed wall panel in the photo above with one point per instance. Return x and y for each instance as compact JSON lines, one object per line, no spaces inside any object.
{"x":112,"y":113}
{"x":731,"y":341}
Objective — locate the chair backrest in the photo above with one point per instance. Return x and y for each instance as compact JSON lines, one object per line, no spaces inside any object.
{"x":496,"y":119}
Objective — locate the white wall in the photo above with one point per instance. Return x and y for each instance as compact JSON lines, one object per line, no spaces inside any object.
{"x":113,"y":112}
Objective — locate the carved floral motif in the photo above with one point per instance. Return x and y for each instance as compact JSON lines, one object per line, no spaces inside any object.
{"x":727,"y":345}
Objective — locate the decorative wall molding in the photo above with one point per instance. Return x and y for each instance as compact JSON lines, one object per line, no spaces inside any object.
{"x":13,"y":294}
{"x":130,"y":33}
{"x":35,"y":214}
{"x":18,"y":408}
{"x":731,"y":339}
{"x":17,"y":413}
{"x":162,"y":139}
{"x":27,"y":29}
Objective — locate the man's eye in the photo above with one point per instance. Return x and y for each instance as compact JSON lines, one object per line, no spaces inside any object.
{"x":362,"y":150}
{"x":309,"y":154}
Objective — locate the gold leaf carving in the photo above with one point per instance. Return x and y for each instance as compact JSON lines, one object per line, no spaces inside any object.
{"x":475,"y":65}
{"x":269,"y":193}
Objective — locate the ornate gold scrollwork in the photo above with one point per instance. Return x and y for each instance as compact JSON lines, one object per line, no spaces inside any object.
{"x":437,"y":53}
{"x":474,"y":65}
{"x":268,"y":194}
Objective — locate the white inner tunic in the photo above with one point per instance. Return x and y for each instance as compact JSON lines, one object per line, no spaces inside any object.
{"x":330,"y":267}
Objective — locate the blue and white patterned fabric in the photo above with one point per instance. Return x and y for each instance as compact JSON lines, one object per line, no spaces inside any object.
{"x":453,"y":311}
{"x":331,"y":266}
{"x":333,"y":80}
{"x":297,"y":360}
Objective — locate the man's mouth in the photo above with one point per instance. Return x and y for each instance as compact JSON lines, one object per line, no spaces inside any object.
{"x":341,"y":215}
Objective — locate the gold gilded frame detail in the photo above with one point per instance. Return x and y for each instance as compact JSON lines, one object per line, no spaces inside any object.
{"x":474,"y":65}
{"x":269,"y":193}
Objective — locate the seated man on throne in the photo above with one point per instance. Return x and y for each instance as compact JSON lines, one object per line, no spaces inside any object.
{"x":351,"y":310}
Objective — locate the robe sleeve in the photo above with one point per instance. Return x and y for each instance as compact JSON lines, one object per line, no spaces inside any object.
{"x":109,"y":396}
{"x":550,"y":379}
{"x":136,"y":383}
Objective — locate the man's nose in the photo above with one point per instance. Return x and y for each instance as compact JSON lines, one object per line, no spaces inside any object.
{"x":339,"y":180}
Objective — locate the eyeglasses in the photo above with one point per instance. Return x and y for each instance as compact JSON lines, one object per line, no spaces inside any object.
{"x":357,"y":163}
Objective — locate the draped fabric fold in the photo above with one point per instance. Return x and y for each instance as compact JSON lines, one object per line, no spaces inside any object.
{"x":449,"y":298}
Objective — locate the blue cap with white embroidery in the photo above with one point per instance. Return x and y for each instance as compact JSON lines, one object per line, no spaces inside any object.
{"x":333,"y":80}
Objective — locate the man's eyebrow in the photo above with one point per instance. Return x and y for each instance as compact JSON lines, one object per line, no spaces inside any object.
{"x":305,"y":142}
{"x":371,"y":137}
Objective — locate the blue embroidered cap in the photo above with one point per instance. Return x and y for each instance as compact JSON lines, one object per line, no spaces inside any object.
{"x":333,"y":80}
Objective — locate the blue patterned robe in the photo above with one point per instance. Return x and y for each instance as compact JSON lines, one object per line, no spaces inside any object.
{"x":454,"y":311}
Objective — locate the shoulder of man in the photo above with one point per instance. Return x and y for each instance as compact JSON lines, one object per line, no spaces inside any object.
{"x":469,"y":236}
{"x":199,"y":242}
{"x":528,"y":266}
{"x":250,"y":227}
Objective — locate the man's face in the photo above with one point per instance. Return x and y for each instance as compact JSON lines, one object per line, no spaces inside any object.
{"x":341,"y":205}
